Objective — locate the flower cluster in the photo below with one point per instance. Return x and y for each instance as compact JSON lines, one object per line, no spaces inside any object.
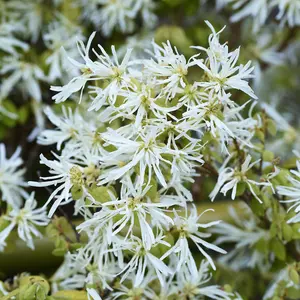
{"x":140,"y":137}
{"x":117,"y":14}
{"x":23,"y":70}
{"x":286,"y":11}
{"x":20,"y":207}
{"x":128,"y":157}
{"x":58,"y":24}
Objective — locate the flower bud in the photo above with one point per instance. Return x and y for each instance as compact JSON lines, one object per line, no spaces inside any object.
{"x":34,"y":288}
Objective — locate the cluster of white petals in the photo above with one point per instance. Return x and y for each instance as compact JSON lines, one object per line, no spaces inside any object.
{"x":245,"y":234}
{"x":139,"y":130}
{"x":22,"y":212}
{"x":117,"y":14}
{"x":285,"y":11}
{"x":129,"y":155}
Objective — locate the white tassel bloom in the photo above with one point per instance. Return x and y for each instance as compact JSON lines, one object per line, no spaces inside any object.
{"x":26,"y":220}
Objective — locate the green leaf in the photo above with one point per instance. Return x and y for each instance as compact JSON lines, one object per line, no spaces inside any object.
{"x":296,"y":231}
{"x":293,"y":293}
{"x":268,"y":155}
{"x":101,"y":194}
{"x":273,"y":230}
{"x":294,"y":276}
{"x":59,"y":252}
{"x":262,"y":246}
{"x":241,"y":187}
{"x":75,"y":246}
{"x":271,"y":126}
{"x":257,"y":208}
{"x":260,"y":135}
{"x":287,"y":232}
{"x":278,"y":249}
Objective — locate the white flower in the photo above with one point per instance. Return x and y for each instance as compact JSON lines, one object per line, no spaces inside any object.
{"x":115,"y":14}
{"x":133,"y":209}
{"x":146,"y":153}
{"x":142,"y":290}
{"x":192,"y":286}
{"x":26,"y":220}
{"x":188,"y":229}
{"x":65,"y":174}
{"x":74,"y":133}
{"x":116,"y":73}
{"x":71,"y":274}
{"x":169,"y":67}
{"x":257,"y":9}
{"x":229,"y":178}
{"x":289,"y":12}
{"x":221,"y":69}
{"x":206,"y":116}
{"x":23,"y":74}
{"x":120,"y":14}
{"x":245,"y":233}
{"x":31,"y":15}
{"x":185,"y":160}
{"x":281,"y":277}
{"x":60,"y":38}
{"x":68,"y":127}
{"x":11,"y":178}
{"x":292,"y":193}
{"x":142,"y":260}
{"x":151,"y":155}
{"x":183,"y":194}
{"x":78,"y":82}
{"x":265,"y":48}
{"x":192,"y":96}
{"x":8,"y":42}
{"x":104,"y":68}
{"x":146,"y":8}
{"x":141,"y":103}
{"x":224,"y":123}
